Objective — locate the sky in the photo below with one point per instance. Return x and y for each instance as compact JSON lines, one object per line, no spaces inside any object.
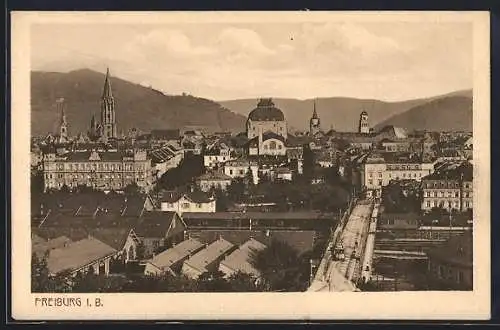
{"x":221,"y":61}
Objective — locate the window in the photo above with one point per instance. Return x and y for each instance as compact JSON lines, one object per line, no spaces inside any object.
{"x":198,"y":205}
{"x":185,"y":205}
{"x":428,"y":204}
{"x":379,"y":182}
{"x":379,"y":174}
{"x":241,"y":172}
{"x":456,"y":194}
{"x":370,"y":174}
{"x":230,"y":172}
{"x":272,"y":145}
{"x":370,"y":181}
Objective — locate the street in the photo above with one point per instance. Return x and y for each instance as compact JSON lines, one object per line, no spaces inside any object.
{"x":353,"y":238}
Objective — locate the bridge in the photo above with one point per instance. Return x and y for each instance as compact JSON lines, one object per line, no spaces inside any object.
{"x":353,"y":231}
{"x":357,"y":231}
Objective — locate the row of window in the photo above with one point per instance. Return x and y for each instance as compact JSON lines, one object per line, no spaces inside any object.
{"x":391,"y":167}
{"x":100,"y":166}
{"x":448,"y":204}
{"x":447,"y":184}
{"x":86,"y":176}
{"x":185,"y":205}
{"x":448,"y":193}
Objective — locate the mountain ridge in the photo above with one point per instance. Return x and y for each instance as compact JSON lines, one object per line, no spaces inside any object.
{"x":136,"y":106}
{"x":146,"y":108}
{"x":338,"y":113}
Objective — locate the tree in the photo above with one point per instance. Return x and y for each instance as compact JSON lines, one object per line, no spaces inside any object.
{"x":132,"y":189}
{"x":281,"y":268}
{"x":236,"y":190}
{"x":213,"y":281}
{"x":43,"y":281}
{"x":243,"y":282}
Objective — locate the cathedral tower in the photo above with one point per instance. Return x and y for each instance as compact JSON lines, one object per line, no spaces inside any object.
{"x":108,"y":119}
{"x":363,"y":123}
{"x":314,"y":123}
{"x":63,"y":124}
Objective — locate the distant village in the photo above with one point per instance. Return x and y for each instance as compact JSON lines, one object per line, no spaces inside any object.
{"x":192,"y":205}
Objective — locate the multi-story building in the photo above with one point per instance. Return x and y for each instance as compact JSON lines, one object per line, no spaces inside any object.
{"x":372,"y":171}
{"x":215,"y":180}
{"x":266,"y":117}
{"x":450,"y":187}
{"x":99,"y":169}
{"x":240,"y":167}
{"x":193,"y":201}
{"x":216,"y":155}
{"x":165,"y":158}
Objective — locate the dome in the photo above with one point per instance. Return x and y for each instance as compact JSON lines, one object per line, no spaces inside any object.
{"x":266,"y":111}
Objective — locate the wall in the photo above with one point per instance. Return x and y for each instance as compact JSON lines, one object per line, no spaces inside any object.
{"x":186,"y":205}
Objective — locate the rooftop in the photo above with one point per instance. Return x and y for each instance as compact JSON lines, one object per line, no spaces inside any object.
{"x":78,"y":254}
{"x":210,"y":254}
{"x":214,"y":176}
{"x":302,"y":215}
{"x":266,"y":111}
{"x":241,"y":259}
{"x":452,"y":171}
{"x":195,"y":196}
{"x":176,"y":253}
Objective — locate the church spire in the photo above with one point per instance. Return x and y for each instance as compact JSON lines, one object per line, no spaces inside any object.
{"x":314,"y":122}
{"x":106,"y":93}
{"x":60,"y":104}
{"x":315,"y":114}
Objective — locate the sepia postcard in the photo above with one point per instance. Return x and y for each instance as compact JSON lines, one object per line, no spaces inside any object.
{"x":250,"y":165}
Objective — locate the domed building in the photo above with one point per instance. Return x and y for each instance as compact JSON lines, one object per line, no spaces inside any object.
{"x":266,"y":118}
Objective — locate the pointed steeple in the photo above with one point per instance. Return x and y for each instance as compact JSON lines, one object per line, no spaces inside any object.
{"x":106,"y":93}
{"x":315,"y":114}
{"x":60,"y":104}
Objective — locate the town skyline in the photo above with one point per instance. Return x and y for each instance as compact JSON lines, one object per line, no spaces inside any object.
{"x":287,"y":60}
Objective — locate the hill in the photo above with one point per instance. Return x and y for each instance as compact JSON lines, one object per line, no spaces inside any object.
{"x":136,"y":106}
{"x":339,"y":113}
{"x":443,"y":114}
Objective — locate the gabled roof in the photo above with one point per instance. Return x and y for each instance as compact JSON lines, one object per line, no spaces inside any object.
{"x":300,"y":240}
{"x":41,"y":246}
{"x":241,"y":259}
{"x":156,"y":224}
{"x":77,"y":255}
{"x":177,"y":253}
{"x":88,"y":204}
{"x":208,"y":255}
{"x":114,"y":237}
